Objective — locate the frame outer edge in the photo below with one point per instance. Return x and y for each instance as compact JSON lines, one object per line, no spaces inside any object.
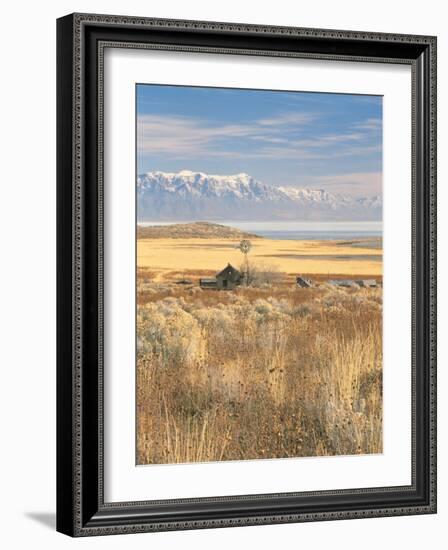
{"x":222,"y":26}
{"x":65,"y":494}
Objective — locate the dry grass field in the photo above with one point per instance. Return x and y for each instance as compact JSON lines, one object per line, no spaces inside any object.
{"x":270,"y":371}
{"x":162,"y":255}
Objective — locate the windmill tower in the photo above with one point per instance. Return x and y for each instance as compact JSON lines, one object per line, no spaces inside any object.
{"x":245,"y":247}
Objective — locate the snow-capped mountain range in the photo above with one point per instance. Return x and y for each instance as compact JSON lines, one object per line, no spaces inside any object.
{"x":188,"y":196}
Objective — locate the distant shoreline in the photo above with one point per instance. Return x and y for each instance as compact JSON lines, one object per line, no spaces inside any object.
{"x":313,"y":231}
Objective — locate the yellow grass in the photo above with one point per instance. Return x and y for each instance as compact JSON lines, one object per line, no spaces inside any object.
{"x":211,"y":255}
{"x":270,"y":372}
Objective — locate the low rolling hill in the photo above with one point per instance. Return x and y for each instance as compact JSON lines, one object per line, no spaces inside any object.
{"x":194,"y":230}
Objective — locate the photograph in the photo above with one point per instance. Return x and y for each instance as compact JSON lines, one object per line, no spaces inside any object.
{"x":259,"y":274}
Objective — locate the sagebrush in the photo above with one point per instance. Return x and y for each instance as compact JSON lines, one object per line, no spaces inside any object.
{"x":271,"y":372}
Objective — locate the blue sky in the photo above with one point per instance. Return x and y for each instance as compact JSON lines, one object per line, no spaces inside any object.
{"x":300,"y":139}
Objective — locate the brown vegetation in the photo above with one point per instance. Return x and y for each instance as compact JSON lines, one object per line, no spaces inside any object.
{"x":196,"y":230}
{"x":267,"y":372}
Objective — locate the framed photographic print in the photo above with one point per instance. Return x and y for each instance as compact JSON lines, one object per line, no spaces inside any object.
{"x":246,"y":274}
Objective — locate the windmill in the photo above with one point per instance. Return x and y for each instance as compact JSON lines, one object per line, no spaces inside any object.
{"x":244,"y":248}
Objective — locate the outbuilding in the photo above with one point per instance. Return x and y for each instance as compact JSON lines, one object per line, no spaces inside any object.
{"x":303,"y":282}
{"x":367,"y":283}
{"x":209,"y":282}
{"x":345,"y":283}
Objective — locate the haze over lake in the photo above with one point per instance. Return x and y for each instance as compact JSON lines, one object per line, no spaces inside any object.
{"x":293,"y":230}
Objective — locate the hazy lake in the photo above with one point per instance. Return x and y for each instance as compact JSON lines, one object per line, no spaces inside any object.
{"x":324,"y":231}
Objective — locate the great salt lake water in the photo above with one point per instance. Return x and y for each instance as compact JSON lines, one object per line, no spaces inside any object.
{"x":320,"y":231}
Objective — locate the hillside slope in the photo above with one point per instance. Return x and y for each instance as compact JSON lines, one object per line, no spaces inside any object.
{"x":197,"y":230}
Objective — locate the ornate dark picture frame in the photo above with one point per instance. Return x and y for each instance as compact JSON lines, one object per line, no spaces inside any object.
{"x":81,"y":509}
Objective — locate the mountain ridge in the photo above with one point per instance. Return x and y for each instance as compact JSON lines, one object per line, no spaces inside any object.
{"x":189,"y":196}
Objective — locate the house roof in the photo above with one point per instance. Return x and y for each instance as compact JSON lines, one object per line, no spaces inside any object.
{"x":303,"y":281}
{"x":230,"y":273}
{"x":342,"y":282}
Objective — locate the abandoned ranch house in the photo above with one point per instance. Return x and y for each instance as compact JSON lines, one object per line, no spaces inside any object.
{"x":226,"y":279}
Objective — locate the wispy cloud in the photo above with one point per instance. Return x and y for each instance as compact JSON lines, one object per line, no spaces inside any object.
{"x":287,"y":119}
{"x":177,"y":135}
{"x":370,"y":124}
{"x":183,"y":137}
{"x":366,"y":183}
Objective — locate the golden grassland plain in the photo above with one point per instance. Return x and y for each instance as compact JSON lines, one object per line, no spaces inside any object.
{"x":293,"y":257}
{"x":264,"y":371}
